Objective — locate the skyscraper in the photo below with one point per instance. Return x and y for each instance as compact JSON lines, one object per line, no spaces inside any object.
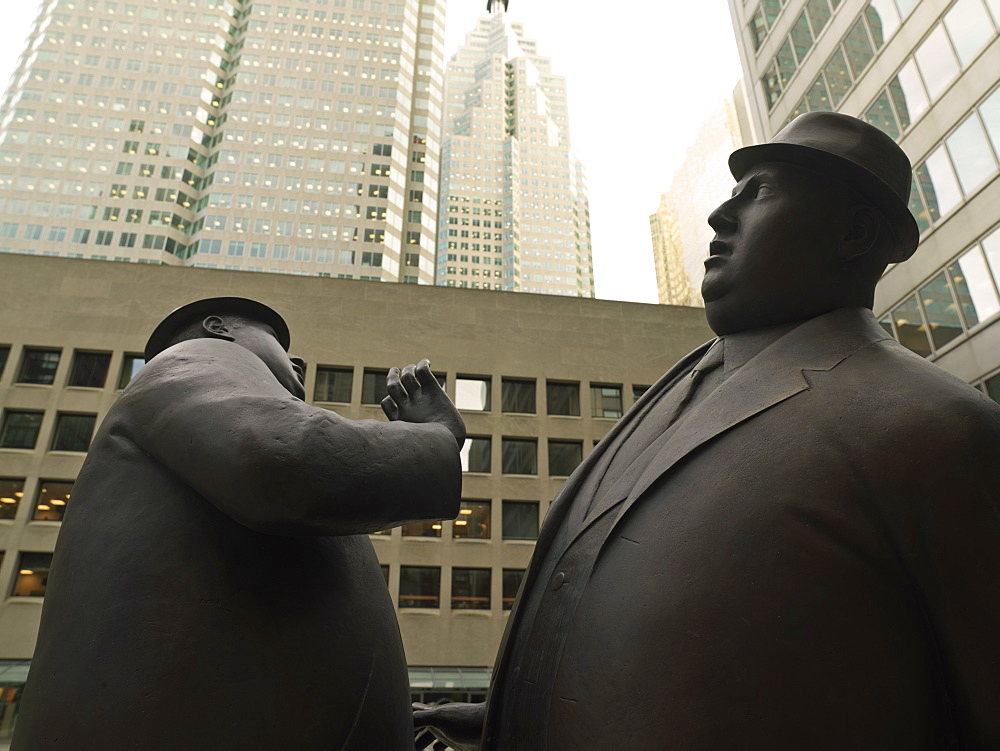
{"x":514,"y":211}
{"x":297,"y":137}
{"x":926,"y":74}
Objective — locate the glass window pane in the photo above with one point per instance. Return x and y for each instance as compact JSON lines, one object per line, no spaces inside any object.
{"x":4,"y":353}
{"x":519,"y":456}
{"x":910,"y":327}
{"x":905,"y":6}
{"x":476,"y":454}
{"x":606,"y":401}
{"x":511,"y":584}
{"x":419,"y":586}
{"x":373,"y":389}
{"x":772,"y":85}
{"x":564,"y":457}
{"x":20,"y":429}
{"x":421,"y":529}
{"x":32,"y":574}
{"x":976,"y":293}
{"x":53,"y":498}
{"x":638,"y":391}
{"x":919,"y":208}
{"x":819,"y":14}
{"x":334,"y":384}
{"x":39,"y":366}
{"x":971,"y":154}
{"x":786,"y":62}
{"x":907,"y":92}
{"x":73,"y":432}
{"x":991,"y":245}
{"x":990,"y":111}
{"x":880,"y":115}
{"x":385,"y":574}
{"x":937,"y":62}
{"x":520,"y":520}
{"x":473,"y":393}
{"x":883,"y":20}
{"x":758,"y":29}
{"x":90,"y":369}
{"x":994,"y":6}
{"x":131,"y":366}
{"x":818,"y":97}
{"x":886,"y":323}
{"x":11,"y":493}
{"x":562,"y":398}
{"x":969,"y":27}
{"x":517,"y":395}
{"x":941,"y":310}
{"x":771,"y":10}
{"x":937,"y":180}
{"x":859,"y":48}
{"x":470,"y":589}
{"x":473,"y":521}
{"x":802,"y":39}
{"x":993,"y":387}
{"x":838,"y":77}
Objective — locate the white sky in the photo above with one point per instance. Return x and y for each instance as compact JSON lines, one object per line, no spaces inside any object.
{"x":641,"y":75}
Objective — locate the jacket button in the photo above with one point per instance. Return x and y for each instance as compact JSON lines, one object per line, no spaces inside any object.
{"x":558,"y":581}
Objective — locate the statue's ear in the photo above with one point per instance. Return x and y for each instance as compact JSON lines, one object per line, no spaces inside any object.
{"x":216,"y":328}
{"x":863,"y":227}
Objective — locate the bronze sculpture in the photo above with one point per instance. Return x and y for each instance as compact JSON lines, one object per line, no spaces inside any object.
{"x":793,"y":539}
{"x":213,"y":586}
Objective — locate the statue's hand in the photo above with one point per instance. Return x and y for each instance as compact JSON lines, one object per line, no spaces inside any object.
{"x":458,"y":725}
{"x":416,"y":396}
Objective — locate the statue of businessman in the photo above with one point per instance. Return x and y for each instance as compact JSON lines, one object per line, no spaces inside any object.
{"x":214,"y":586}
{"x":792,"y":541}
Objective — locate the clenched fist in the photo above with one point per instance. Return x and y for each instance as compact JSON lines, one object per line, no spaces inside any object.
{"x":416,"y":396}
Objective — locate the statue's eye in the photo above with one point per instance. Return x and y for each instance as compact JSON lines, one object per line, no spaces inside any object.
{"x":763,"y":191}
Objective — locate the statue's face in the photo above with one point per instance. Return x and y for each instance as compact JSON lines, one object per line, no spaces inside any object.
{"x":259,"y":338}
{"x":773,"y":260}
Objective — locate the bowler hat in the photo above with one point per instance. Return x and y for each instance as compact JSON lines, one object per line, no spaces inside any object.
{"x":852,"y":151}
{"x":185,"y":315}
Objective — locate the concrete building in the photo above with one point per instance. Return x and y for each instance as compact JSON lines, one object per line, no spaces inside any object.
{"x":294,"y":137}
{"x":539,"y":380}
{"x":679,"y":226}
{"x":514,"y":210}
{"x":926,"y":73}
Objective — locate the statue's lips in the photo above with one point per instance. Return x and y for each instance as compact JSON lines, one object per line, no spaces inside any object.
{"x":718,"y":251}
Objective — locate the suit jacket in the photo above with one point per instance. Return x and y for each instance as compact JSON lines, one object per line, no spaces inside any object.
{"x":213,"y":588}
{"x":811,"y":561}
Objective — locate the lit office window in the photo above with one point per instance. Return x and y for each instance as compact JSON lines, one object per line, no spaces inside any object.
{"x":334,"y":384}
{"x":53,"y":498}
{"x":562,"y":398}
{"x":476,"y":454}
{"x":38,"y":366}
{"x":470,"y":589}
{"x":605,"y":401}
{"x":73,"y":432}
{"x":473,"y":521}
{"x":520,"y":520}
{"x":11,"y":493}
{"x":420,"y":586}
{"x":519,"y":456}
{"x":32,"y":574}
{"x":421,"y":529}
{"x":473,"y":393}
{"x":90,"y":369}
{"x":910,"y":329}
{"x":511,"y":583}
{"x":131,"y":365}
{"x":20,"y":429}
{"x":518,"y":395}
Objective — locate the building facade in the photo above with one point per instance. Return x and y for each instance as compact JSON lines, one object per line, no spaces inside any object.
{"x":928,"y":74}
{"x":679,"y":226}
{"x":514,"y":211}
{"x":299,"y":137}
{"x":539,"y":380}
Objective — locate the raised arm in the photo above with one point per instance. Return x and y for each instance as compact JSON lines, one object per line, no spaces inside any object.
{"x":215,"y":415}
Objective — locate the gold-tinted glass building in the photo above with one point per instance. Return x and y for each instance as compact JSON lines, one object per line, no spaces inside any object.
{"x":928,"y":74}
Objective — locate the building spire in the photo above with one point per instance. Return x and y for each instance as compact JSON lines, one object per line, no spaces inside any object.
{"x":493,"y":6}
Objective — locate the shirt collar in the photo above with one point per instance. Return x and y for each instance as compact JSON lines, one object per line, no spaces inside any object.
{"x":743,"y":346}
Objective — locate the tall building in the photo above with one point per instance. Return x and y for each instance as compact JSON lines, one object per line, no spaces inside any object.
{"x":679,"y":226}
{"x":535,"y":397}
{"x":299,"y":137}
{"x":514,"y":211}
{"x":927,"y":74}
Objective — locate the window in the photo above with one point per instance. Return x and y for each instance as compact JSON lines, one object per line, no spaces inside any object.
{"x":334,"y":384}
{"x":520,"y":520}
{"x":53,"y":496}
{"x":131,"y":365}
{"x":470,"y":589}
{"x":473,"y":521}
{"x":605,"y":401}
{"x":39,"y":366}
{"x":32,"y":575}
{"x":518,"y":395}
{"x":562,"y":398}
{"x":11,"y":493}
{"x":473,"y":393}
{"x":419,"y":586}
{"x":422,"y":529}
{"x":373,"y":389}
{"x":638,"y":391}
{"x":90,"y":369}
{"x":519,"y":456}
{"x":564,"y":457}
{"x":4,"y":352}
{"x":511,"y":583}
{"x":20,"y":429}
{"x":910,"y":327}
{"x":73,"y":432}
{"x":976,"y":294}
{"x":476,"y":454}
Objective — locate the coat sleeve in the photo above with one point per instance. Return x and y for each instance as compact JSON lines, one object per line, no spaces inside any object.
{"x":212,"y":413}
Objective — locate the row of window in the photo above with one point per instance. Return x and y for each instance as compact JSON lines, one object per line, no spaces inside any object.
{"x":88,"y":370}
{"x":519,"y":456}
{"x":471,"y":588}
{"x":19,"y":429}
{"x":51,"y":499}
{"x":961,"y":297}
{"x":518,"y":521}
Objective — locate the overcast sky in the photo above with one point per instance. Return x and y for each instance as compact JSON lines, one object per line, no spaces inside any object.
{"x":642,"y":75}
